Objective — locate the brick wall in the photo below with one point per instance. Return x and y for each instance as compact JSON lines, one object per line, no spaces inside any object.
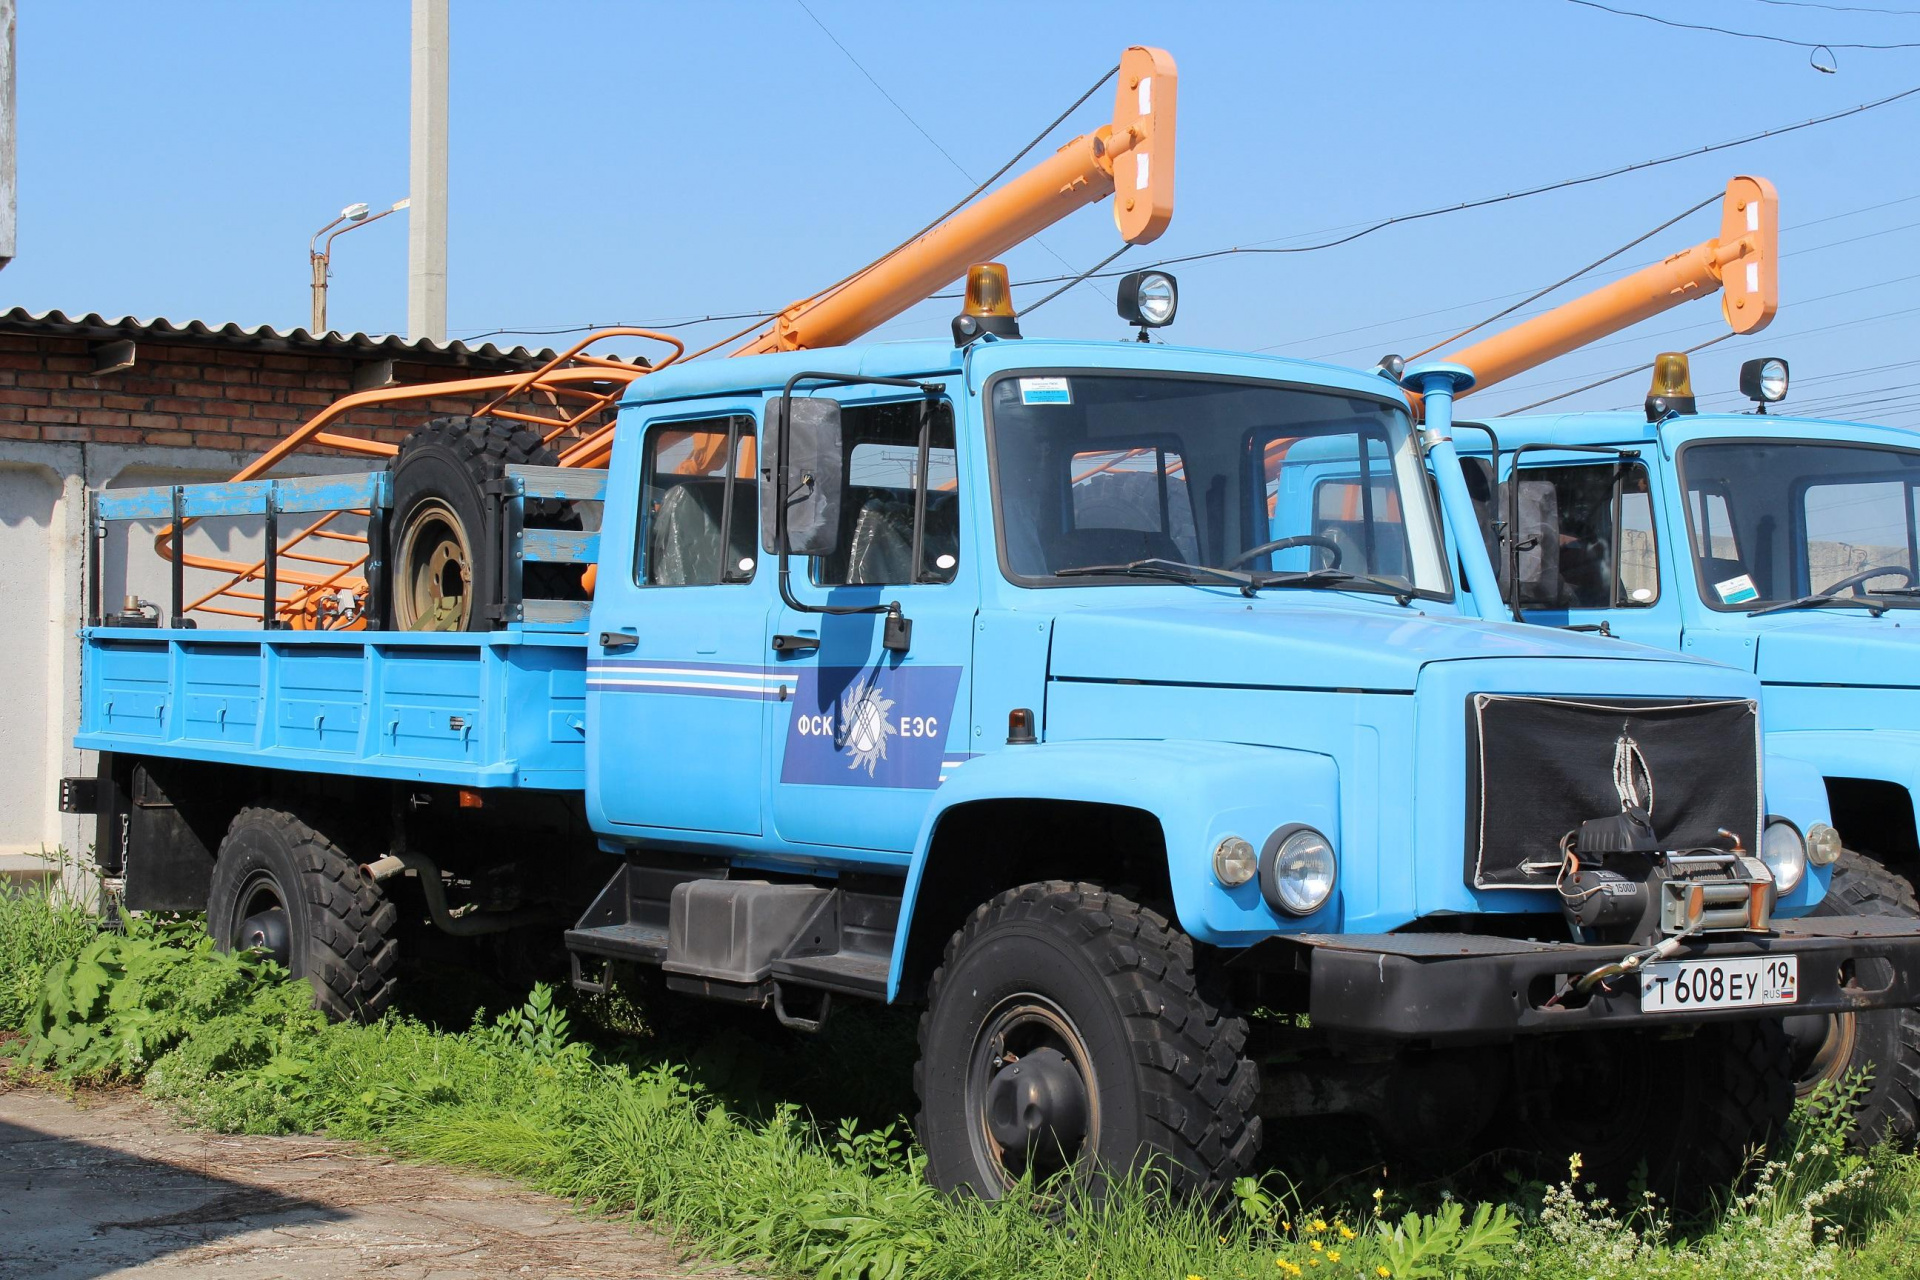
{"x":201,"y":397}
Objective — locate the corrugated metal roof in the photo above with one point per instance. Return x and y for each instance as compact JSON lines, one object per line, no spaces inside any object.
{"x":358,"y":346}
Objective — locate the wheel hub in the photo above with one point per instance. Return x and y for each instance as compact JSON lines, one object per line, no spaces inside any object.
{"x":1038,"y":1104}
{"x":434,"y":571}
{"x":264,"y":925}
{"x":1823,"y":1045}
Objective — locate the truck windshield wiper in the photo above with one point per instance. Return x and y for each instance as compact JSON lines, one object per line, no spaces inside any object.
{"x":1340,"y":580}
{"x":1172,"y":570}
{"x":1895,"y":591}
{"x":1821,"y":601}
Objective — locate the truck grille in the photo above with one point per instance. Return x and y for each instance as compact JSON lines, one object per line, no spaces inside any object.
{"x":1539,"y":766}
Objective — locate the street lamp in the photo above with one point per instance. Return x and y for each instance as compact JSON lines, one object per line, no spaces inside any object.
{"x":320,"y":256}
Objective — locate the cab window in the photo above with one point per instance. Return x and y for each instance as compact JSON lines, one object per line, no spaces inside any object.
{"x":1586,"y":538}
{"x":1142,"y":489}
{"x":882,"y":461}
{"x":689,"y":494}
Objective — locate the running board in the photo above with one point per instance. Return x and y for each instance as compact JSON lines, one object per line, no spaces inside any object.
{"x":739,"y":940}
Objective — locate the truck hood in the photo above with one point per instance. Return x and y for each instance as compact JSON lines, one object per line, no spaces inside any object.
{"x":1263,"y":643}
{"x":1842,"y":648}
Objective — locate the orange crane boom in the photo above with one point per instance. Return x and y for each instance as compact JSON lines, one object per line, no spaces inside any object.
{"x":1742,"y":262}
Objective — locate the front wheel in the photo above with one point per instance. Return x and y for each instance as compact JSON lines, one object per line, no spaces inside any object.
{"x":1832,"y":1048}
{"x":1066,"y":1033}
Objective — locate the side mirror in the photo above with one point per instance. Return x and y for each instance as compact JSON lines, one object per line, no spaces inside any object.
{"x":801,"y":464}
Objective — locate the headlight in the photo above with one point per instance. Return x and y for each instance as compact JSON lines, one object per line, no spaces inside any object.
{"x":1234,"y":862}
{"x":1823,"y":845}
{"x":1147,"y":298}
{"x":1297,"y":870}
{"x":1784,"y":852}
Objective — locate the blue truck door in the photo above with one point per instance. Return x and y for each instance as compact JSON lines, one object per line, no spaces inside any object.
{"x":1595,"y":549}
{"x":677,"y":667}
{"x":860,"y":736}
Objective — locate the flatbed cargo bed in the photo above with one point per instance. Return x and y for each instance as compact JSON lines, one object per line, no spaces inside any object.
{"x":407,"y":706}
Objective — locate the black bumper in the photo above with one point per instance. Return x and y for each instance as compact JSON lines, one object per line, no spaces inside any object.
{"x":1463,"y":988}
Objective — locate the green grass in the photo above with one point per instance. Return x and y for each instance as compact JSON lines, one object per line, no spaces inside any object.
{"x":712,"y":1153}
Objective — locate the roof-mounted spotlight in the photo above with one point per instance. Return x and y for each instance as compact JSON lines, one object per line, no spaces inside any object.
{"x":1764,"y":381}
{"x":1391,"y":367}
{"x":1672,"y":390}
{"x":1148,"y":299}
{"x":988,"y":309}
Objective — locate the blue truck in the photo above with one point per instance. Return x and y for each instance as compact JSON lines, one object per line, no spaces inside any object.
{"x":1011,"y":679}
{"x":1784,"y":547}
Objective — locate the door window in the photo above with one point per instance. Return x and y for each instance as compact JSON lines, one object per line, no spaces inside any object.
{"x":883,"y":487}
{"x":1587,"y":538}
{"x":690,"y":493}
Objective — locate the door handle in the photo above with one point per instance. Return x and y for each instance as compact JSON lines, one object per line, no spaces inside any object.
{"x":794,"y":644}
{"x":619,"y":640}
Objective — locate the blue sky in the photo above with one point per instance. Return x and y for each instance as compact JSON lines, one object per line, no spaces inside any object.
{"x":635,"y":163}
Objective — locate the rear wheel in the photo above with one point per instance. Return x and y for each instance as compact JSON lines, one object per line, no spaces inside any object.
{"x":447,"y":574}
{"x":1065,"y":1032}
{"x":1831,"y":1048}
{"x":282,"y":888}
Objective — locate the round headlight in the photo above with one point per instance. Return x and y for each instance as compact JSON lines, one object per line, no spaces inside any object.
{"x":1234,"y":862}
{"x":1823,"y":845}
{"x":1784,"y":852}
{"x":1297,"y":870}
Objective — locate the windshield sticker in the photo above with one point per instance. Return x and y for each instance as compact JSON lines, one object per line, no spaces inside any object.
{"x":1737,"y":590}
{"x":1045,"y":391}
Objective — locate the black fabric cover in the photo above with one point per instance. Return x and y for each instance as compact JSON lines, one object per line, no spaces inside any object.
{"x":1538,"y":767}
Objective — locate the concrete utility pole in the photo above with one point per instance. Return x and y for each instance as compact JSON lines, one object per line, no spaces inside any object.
{"x":9,"y":203}
{"x":427,"y":175}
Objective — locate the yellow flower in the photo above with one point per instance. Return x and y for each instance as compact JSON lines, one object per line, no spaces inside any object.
{"x":1383,"y":1273}
{"x":1319,"y":1225}
{"x":1316,"y":1246}
{"x":1346,"y":1232}
{"x":1286,"y":1226}
{"x":1196,"y":1278}
{"x":1286,"y":1266}
{"x":1333,"y":1255}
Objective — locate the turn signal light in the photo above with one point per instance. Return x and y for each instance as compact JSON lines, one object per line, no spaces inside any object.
{"x":1672,"y":390}
{"x":989,"y":305}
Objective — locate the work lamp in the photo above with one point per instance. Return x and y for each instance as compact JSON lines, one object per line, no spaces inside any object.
{"x":1148,"y":299}
{"x":1764,"y":381}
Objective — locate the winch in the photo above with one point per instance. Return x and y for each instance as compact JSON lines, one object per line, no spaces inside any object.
{"x":1617,"y":884}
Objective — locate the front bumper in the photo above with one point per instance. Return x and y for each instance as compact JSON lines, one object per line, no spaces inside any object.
{"x":1467,"y":988}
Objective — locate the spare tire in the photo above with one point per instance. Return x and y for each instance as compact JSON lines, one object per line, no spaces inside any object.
{"x":443,"y":539}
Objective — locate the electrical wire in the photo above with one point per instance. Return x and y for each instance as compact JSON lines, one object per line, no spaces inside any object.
{"x":1839,"y":8}
{"x":1027,"y":311}
{"x":1523,"y":194}
{"x":908,"y":117}
{"x":1741,"y":35}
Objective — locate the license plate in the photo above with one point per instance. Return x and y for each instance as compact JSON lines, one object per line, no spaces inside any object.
{"x":1719,"y":984}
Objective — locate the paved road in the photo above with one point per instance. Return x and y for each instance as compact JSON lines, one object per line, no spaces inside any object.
{"x":107,"y":1185}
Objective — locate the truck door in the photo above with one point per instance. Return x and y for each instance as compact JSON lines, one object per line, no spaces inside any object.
{"x":861,"y":736}
{"x":1591,"y":550}
{"x":677,"y":648}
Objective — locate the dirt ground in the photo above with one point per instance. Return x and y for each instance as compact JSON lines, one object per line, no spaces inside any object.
{"x":107,"y":1185}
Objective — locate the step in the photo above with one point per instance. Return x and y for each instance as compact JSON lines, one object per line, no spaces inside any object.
{"x":621,"y":942}
{"x":851,"y":972}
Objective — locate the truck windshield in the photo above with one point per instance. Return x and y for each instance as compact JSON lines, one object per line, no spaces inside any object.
{"x":1803,"y":524}
{"x":1132,"y":479}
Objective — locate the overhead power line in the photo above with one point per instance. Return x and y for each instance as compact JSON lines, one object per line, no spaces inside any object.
{"x":1742,"y":35}
{"x":1523,"y":194}
{"x":1839,"y":8}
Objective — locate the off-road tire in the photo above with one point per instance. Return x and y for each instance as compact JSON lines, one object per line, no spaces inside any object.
{"x":1687,"y":1112}
{"x":1174,"y":1088}
{"x":341,"y":926}
{"x":1885,"y":1041}
{"x":451,"y":461}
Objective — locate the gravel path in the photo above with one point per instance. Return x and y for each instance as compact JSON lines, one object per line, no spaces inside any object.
{"x":108,"y":1185}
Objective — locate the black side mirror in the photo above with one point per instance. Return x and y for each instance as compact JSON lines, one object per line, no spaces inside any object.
{"x":801,"y":464}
